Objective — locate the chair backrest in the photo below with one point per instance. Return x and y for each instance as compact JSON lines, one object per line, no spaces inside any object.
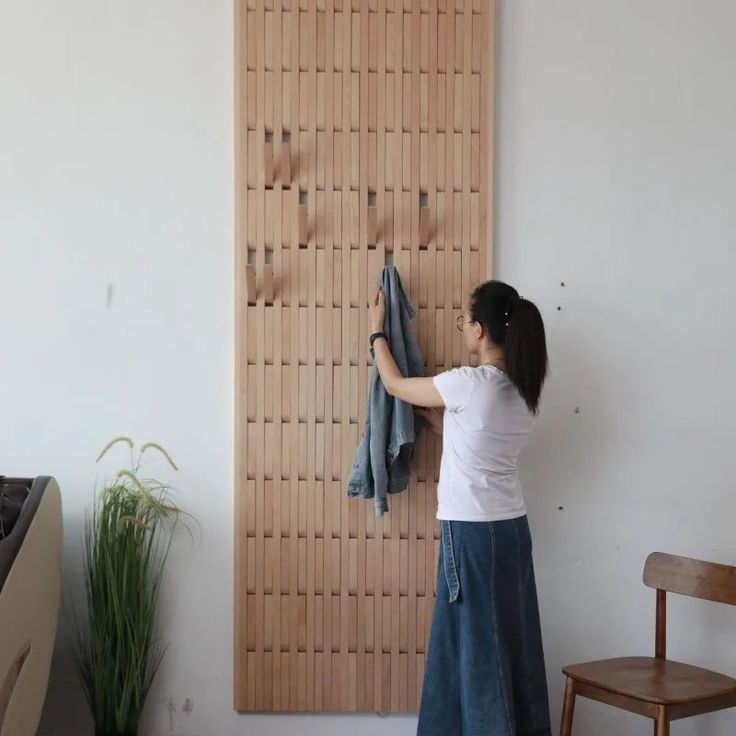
{"x":707,"y":580}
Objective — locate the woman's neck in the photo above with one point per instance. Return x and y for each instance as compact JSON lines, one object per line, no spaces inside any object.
{"x":492,"y":355}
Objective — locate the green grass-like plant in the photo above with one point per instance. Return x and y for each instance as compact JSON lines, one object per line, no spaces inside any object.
{"x":128,"y":535}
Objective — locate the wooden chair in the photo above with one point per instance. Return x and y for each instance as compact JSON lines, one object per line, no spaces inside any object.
{"x":657,"y":687}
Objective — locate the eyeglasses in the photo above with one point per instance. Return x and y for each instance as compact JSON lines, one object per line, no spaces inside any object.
{"x":460,"y":322}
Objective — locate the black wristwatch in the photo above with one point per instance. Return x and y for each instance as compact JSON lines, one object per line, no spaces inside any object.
{"x":375,"y":336}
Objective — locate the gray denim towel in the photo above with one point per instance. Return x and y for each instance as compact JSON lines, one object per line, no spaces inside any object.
{"x":383,"y":459}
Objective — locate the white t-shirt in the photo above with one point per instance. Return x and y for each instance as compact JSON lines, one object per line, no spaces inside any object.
{"x":486,"y":425}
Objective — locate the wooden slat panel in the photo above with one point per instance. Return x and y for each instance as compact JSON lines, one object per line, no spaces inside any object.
{"x":363,"y":134}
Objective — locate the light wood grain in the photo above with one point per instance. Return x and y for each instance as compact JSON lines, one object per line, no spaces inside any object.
{"x":363,"y":137}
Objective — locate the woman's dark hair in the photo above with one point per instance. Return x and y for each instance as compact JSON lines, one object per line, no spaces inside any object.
{"x":515,"y":323}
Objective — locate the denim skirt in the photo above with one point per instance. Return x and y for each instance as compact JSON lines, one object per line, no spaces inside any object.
{"x":484,"y":673}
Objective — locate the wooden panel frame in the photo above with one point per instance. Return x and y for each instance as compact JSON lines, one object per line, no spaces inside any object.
{"x":363,"y":137}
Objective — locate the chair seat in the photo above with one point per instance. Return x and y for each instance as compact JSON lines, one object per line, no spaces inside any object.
{"x":660,"y":681}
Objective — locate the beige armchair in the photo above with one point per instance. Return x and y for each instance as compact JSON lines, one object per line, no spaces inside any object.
{"x":30,"y":583}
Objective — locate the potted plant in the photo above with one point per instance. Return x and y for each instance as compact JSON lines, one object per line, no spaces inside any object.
{"x":128,"y":536}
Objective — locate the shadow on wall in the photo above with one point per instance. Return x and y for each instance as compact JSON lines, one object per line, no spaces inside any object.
{"x":65,"y":711}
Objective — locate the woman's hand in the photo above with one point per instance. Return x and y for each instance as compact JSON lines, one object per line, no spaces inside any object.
{"x":433,"y":417}
{"x":377,"y":311}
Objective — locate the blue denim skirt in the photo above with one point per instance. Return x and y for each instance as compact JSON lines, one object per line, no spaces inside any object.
{"x":484,"y":672}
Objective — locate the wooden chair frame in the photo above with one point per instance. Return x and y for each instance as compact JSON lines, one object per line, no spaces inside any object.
{"x":708,"y":691}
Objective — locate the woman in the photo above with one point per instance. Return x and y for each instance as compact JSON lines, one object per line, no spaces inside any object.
{"x":485,"y":670}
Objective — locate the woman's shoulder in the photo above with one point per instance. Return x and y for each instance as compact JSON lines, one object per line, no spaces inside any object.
{"x":476,"y":373}
{"x":481,"y":372}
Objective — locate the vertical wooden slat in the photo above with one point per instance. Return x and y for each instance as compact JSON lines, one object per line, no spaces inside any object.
{"x":272,"y":676}
{"x":487,"y":72}
{"x":449,"y":199}
{"x":389,"y":593}
{"x":381,"y":195}
{"x":315,"y":47}
{"x":466,"y":132}
{"x":323,"y":679}
{"x":260,"y":358}
{"x":360,"y":701}
{"x":289,"y":665}
{"x":242,"y":404}
{"x":407,"y":606}
{"x":343,"y":673}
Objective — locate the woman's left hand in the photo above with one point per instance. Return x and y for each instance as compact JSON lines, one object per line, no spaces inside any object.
{"x":377,"y":309}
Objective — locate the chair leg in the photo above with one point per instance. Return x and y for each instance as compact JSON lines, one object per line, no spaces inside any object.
{"x":662,"y":722}
{"x":568,"y":708}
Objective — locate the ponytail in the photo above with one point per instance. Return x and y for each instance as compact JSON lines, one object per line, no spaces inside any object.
{"x":526,"y":351}
{"x":515,"y":323}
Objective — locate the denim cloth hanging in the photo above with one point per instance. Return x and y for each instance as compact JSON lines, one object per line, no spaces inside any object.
{"x":383,"y":458}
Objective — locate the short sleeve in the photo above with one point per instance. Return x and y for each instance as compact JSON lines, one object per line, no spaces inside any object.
{"x":454,"y":387}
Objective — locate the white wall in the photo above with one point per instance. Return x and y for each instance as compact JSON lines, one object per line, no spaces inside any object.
{"x":615,"y":174}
